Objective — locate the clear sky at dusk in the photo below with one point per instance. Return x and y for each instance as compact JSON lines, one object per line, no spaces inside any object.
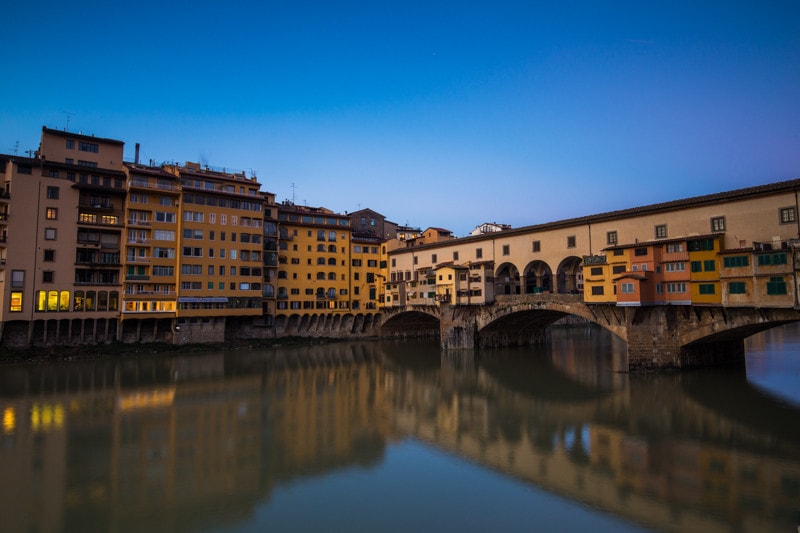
{"x":443,"y":114}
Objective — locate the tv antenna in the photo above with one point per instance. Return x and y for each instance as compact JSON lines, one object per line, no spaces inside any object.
{"x":293,"y":191}
{"x":69,"y":116}
{"x":16,"y":147}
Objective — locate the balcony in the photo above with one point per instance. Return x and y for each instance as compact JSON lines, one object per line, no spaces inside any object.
{"x":141,"y":184}
{"x":135,"y":277}
{"x":137,"y":222}
{"x":101,"y":206}
{"x":132,"y":293}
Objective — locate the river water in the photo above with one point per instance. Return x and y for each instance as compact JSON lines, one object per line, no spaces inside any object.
{"x":393,"y":436}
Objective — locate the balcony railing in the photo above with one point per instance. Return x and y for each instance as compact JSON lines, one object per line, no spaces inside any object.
{"x":105,"y":206}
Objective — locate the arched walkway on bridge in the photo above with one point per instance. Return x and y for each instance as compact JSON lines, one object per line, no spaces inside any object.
{"x":507,"y":279}
{"x":567,"y":275}
{"x":538,"y":277}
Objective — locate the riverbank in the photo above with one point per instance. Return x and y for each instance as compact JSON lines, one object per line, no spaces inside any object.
{"x":151,"y":349}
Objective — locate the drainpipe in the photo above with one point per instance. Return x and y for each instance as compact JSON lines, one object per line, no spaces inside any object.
{"x":590,"y":237}
{"x":794,"y":250}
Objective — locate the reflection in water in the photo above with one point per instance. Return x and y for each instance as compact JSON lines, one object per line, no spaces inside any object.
{"x":227,"y":441}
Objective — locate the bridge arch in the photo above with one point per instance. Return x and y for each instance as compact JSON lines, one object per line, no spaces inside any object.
{"x":419,"y":321}
{"x":507,"y":279}
{"x":567,"y":275}
{"x":538,"y":277}
{"x":524,"y":320}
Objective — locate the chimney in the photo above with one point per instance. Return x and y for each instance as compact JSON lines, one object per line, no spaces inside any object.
{"x":136,"y":157}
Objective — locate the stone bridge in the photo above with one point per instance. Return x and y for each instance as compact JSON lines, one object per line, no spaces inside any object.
{"x":657,"y":337}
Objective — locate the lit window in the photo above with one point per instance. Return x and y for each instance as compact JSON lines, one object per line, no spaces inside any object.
{"x":51,"y":213}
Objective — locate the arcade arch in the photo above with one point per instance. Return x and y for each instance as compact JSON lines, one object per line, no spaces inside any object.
{"x":507,"y":279}
{"x":538,"y":277}
{"x":567,"y":275}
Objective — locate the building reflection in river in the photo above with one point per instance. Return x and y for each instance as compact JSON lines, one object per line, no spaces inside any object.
{"x":168,"y":443}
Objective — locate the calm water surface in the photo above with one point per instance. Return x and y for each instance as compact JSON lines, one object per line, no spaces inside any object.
{"x":395,"y":437}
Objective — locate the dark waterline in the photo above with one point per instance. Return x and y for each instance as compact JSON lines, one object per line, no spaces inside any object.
{"x":393,"y":436}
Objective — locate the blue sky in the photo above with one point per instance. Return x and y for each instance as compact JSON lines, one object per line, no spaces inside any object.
{"x":444,"y":114}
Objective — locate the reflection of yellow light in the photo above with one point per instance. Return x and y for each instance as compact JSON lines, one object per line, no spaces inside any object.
{"x":45,"y":417}
{"x":147,"y":399}
{"x":9,"y":420}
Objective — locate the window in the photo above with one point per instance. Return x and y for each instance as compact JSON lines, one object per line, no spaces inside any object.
{"x":709,"y":265}
{"x":52,"y":193}
{"x":776,"y":285}
{"x":47,"y":276}
{"x":598,"y":271}
{"x":571,"y":241}
{"x":70,"y":144}
{"x":478,"y":253}
{"x":717,"y":224}
{"x":597,"y":291}
{"x":611,"y":237}
{"x":17,"y":279}
{"x":676,"y":287}
{"x":15,"y":305}
{"x":772,"y":259}
{"x":700,"y":245}
{"x":675,"y":267}
{"x":506,"y":249}
{"x":735,"y":261}
{"x":49,"y":255}
{"x":674,"y":247}
{"x":697,"y":266}
{"x":536,"y":246}
{"x":788,"y":215}
{"x":88,"y":147}
{"x":736,"y":287}
{"x":617,"y":269}
{"x":661,"y":231}
{"x":707,"y":288}
{"x":51,"y":213}
{"x":640,"y":252}
{"x":455,"y":256}
{"x":627,"y":288}
{"x":433,"y":258}
{"x":162,"y":216}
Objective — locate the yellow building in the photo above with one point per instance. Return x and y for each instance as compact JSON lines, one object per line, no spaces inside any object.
{"x":704,"y":269}
{"x":313,"y":261}
{"x":599,"y":273}
{"x":220,"y":232}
